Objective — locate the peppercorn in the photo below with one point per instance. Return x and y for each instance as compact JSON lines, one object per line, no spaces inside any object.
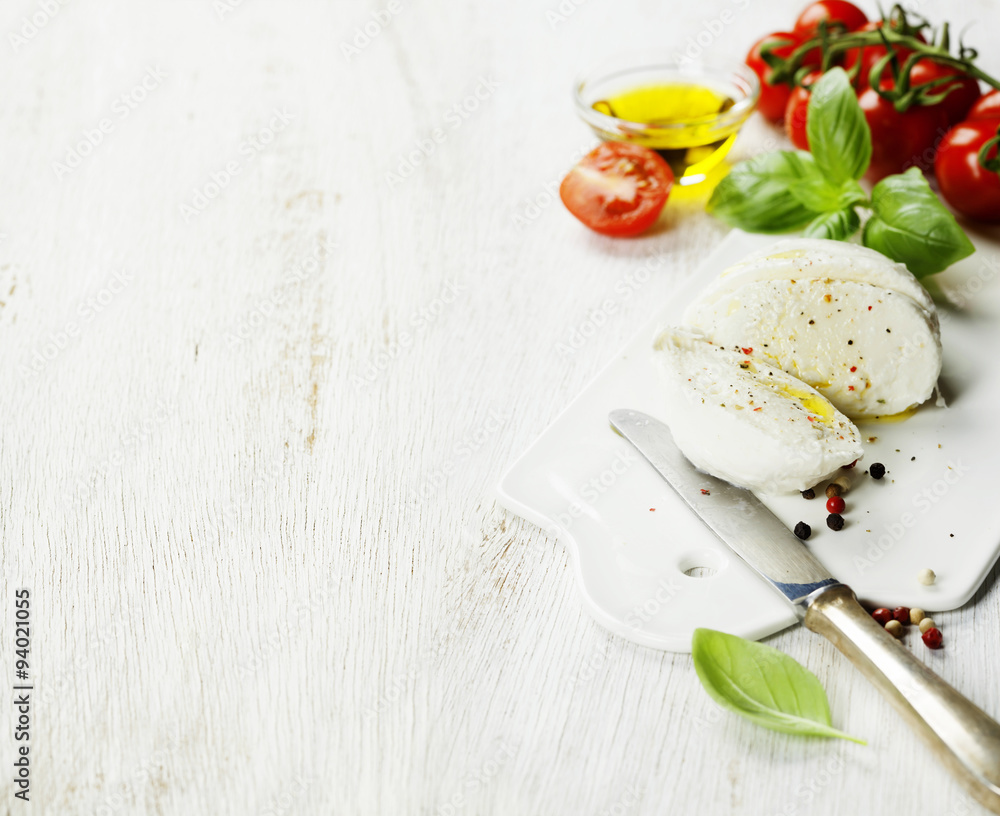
{"x":894,"y":628}
{"x":832,"y":490}
{"x":809,"y":494}
{"x":902,"y":614}
{"x":882,"y":615}
{"x":917,"y":615}
{"x":803,"y":530}
{"x":877,"y":470}
{"x":932,"y":637}
{"x":835,"y":521}
{"x":925,"y":624}
{"x":835,"y":504}
{"x":844,"y":482}
{"x":926,"y":577}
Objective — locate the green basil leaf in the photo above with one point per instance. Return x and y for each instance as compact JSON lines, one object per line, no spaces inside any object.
{"x":757,"y":194}
{"x":762,"y":684}
{"x":910,"y":224}
{"x":837,"y":226}
{"x":839,"y":137}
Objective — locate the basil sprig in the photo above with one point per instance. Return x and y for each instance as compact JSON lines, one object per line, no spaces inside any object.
{"x":818,"y":191}
{"x":763,"y":685}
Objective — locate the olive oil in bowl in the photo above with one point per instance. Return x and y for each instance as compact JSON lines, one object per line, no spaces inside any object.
{"x":689,"y":114}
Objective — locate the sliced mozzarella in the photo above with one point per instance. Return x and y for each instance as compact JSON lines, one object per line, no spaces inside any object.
{"x":797,"y":258}
{"x":870,"y":351}
{"x":737,"y":417}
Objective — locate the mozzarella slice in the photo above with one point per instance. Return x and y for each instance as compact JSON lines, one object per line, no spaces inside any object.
{"x":842,"y":318}
{"x":744,"y":420}
{"x":797,"y":258}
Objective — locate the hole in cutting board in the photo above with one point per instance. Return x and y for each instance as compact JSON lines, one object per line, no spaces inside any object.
{"x":701,"y":564}
{"x":700,"y":572}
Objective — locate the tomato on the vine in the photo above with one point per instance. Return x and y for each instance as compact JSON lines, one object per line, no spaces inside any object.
{"x":988,"y":107}
{"x":798,"y":110}
{"x":965,"y":184}
{"x":900,"y":140}
{"x":831,"y":12}
{"x":871,"y":54}
{"x":963,"y":93}
{"x":619,"y":188}
{"x":773,"y":98}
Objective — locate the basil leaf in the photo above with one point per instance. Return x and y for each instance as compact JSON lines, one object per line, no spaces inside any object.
{"x":757,"y":194}
{"x":911,"y":225}
{"x":837,"y":226}
{"x":839,"y":137}
{"x":762,"y":684}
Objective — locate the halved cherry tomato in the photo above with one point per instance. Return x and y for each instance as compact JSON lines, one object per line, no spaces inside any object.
{"x":797,"y":112}
{"x":988,"y":107}
{"x":774,"y":98}
{"x":900,"y":140}
{"x":618,"y":188}
{"x":965,"y":184}
{"x":829,"y":11}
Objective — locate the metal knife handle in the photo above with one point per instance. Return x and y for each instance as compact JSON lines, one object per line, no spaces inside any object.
{"x":962,"y":735}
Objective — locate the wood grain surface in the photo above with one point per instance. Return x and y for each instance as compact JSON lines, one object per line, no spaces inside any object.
{"x":279,"y":301}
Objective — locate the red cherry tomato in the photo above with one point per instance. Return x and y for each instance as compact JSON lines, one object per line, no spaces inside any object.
{"x":988,"y":107}
{"x":797,"y":112}
{"x":773,"y":98}
{"x":830,"y":11}
{"x":871,"y":54}
{"x":964,"y":90}
{"x":965,"y":184}
{"x":618,"y":188}
{"x":900,"y":140}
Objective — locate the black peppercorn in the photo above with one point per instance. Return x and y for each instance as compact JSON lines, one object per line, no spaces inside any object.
{"x":803,"y":530}
{"x":835,"y":521}
{"x":877,"y":470}
{"x":809,"y":494}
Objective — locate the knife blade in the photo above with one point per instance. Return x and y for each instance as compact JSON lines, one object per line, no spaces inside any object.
{"x":733,"y":513}
{"x":963,"y":736}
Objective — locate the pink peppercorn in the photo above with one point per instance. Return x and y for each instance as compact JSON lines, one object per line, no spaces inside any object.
{"x":932,"y":637}
{"x":882,"y":615}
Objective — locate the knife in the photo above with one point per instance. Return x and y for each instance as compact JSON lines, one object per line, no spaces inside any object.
{"x":961,"y":734}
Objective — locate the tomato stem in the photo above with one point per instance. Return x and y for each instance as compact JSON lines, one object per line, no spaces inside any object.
{"x":897,"y":31}
{"x":993,"y":164}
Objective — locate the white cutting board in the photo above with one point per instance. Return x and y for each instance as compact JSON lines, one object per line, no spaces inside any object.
{"x":941,"y":510}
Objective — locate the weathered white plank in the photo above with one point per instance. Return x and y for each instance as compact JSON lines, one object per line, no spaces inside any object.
{"x":252,"y":494}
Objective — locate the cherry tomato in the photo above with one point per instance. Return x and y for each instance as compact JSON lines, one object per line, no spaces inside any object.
{"x":964,"y":90}
{"x":871,"y":54}
{"x":774,"y":98}
{"x":830,"y":11}
{"x":797,"y":112}
{"x":900,"y":140}
{"x":988,"y":107}
{"x":965,"y":184}
{"x":618,"y":188}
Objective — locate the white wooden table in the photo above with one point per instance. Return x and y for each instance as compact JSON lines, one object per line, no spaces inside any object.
{"x":256,"y":392}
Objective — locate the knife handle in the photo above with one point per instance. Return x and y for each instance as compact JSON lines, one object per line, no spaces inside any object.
{"x":960,"y":733}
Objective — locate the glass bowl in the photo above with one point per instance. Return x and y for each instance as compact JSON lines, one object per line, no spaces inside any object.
{"x":692,"y":138}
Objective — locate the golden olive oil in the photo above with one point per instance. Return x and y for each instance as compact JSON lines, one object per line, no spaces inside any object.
{"x":680,"y":122}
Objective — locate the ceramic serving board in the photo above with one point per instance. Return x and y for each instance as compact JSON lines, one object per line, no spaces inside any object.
{"x":650,"y":571}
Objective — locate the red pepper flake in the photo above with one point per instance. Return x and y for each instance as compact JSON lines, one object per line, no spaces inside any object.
{"x":850,"y":388}
{"x":705,"y":492}
{"x":758,"y":409}
{"x":811,"y":418}
{"x":652,"y":509}
{"x":853,"y":369}
{"x":869,"y":308}
{"x":746,"y":350}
